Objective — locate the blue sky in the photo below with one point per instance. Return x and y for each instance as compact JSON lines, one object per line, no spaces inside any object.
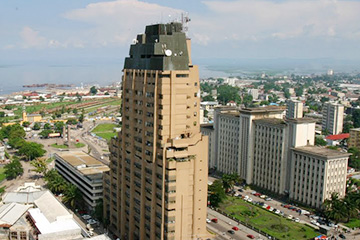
{"x":86,"y":31}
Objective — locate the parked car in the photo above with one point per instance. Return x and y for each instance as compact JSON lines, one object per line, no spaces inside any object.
{"x":342,"y":236}
{"x":92,"y":221}
{"x":257,"y":194}
{"x":240,"y":190}
{"x":214,"y":220}
{"x":231,"y":232}
{"x":268,"y":199}
{"x":250,"y":236}
{"x":86,"y":217}
{"x":263,"y":196}
{"x":296,"y":220}
{"x":235,"y":228}
{"x":290,"y":217}
{"x":208,"y":220}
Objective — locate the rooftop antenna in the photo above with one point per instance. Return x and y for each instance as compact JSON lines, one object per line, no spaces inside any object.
{"x":184,"y":21}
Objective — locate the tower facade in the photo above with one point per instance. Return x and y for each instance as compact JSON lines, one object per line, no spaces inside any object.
{"x":157,"y":185}
{"x":294,"y":109}
{"x":333,"y":118}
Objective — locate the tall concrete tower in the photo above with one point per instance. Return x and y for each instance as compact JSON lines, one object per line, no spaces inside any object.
{"x":333,"y":118}
{"x":157,"y":186}
{"x":294,"y":109}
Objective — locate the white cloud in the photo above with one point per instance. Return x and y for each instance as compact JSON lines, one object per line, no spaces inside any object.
{"x":114,"y":23}
{"x":31,"y":38}
{"x":262,"y":19}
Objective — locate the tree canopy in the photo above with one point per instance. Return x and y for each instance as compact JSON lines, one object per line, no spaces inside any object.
{"x":31,"y":150}
{"x":227,"y":93}
{"x":13,"y":169}
{"x":216,"y":193}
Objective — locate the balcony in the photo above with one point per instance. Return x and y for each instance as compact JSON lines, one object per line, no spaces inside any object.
{"x":175,"y":153}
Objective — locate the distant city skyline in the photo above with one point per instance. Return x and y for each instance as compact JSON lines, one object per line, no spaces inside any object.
{"x":241,"y":34}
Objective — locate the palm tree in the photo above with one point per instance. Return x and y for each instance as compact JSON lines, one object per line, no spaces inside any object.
{"x":72,"y":195}
{"x":39,"y":165}
{"x":335,"y":208}
{"x":229,"y":180}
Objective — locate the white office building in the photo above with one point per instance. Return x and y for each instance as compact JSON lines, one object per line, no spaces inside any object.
{"x":333,"y":118}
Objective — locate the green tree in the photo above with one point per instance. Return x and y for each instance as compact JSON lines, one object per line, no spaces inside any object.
{"x":26,"y":124}
{"x":99,"y":210}
{"x":227,"y":93}
{"x":16,"y":142}
{"x":81,"y":118}
{"x":75,"y":111}
{"x":31,"y":150}
{"x":72,"y":195}
{"x":47,"y":126}
{"x":208,"y":98}
{"x":72,"y":121}
{"x":45,"y":133}
{"x":39,"y":165}
{"x":2,"y":114}
{"x":58,"y":126}
{"x":55,"y":182}
{"x":216,"y":193}
{"x":320,"y":141}
{"x":356,"y":118}
{"x":247,"y":100}
{"x":334,"y":208}
{"x":36,"y":126}
{"x":79,"y":97}
{"x":299,"y":91}
{"x":354,"y":159}
{"x":13,"y":169}
{"x":347,"y":126}
{"x":93,"y":90}
{"x":229,"y":180}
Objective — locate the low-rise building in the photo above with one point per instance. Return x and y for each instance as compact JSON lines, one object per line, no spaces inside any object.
{"x":354,"y":139}
{"x":31,"y":213}
{"x":85,"y":172}
{"x":317,"y":172}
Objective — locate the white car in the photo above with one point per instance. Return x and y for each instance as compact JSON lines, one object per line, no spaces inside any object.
{"x":296,"y":220}
{"x":86,"y":217}
{"x":277,"y":212}
{"x":92,"y":221}
{"x":208,"y":220}
{"x":246,"y":197}
{"x":271,"y":209}
{"x":290,"y":217}
{"x":265,"y":205}
{"x":249,"y":200}
{"x":263,"y":196}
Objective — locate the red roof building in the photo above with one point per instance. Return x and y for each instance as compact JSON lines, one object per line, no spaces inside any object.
{"x":338,"y":136}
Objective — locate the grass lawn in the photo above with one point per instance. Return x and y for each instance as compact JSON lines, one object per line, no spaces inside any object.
{"x":49,"y":160}
{"x":79,"y":145}
{"x":105,"y":130}
{"x":105,"y":127}
{"x":266,"y":221}
{"x":2,"y":174}
{"x":62,"y":146}
{"x":106,"y":135}
{"x":353,"y":223}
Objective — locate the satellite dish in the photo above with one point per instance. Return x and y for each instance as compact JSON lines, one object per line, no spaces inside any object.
{"x":168,"y":52}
